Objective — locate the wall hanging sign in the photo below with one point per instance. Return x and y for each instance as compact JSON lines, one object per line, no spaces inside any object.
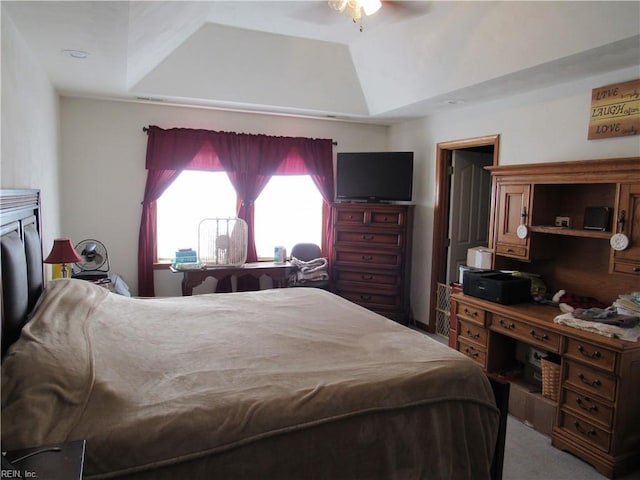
{"x":615,"y":110}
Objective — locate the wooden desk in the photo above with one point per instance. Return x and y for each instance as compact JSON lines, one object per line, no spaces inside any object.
{"x":279,"y":272}
{"x":596,"y":415}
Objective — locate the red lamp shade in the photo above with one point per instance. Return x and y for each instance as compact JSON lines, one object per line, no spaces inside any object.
{"x":63,"y":252}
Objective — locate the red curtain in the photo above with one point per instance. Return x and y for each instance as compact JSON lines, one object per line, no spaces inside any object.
{"x":309,"y":158}
{"x":249,"y":160}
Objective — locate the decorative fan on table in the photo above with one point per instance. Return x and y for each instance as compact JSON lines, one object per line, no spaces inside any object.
{"x":95,"y":264}
{"x":222,"y":242}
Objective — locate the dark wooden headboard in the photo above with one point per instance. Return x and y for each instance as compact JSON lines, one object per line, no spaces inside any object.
{"x":22,"y":276}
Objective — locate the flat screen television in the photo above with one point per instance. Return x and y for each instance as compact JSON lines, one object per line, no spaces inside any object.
{"x":374,"y":176}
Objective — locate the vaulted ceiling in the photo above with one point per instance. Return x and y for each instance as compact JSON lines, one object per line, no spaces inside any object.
{"x":301,"y":57}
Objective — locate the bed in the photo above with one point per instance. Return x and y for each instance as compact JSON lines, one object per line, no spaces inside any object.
{"x":285,"y":383}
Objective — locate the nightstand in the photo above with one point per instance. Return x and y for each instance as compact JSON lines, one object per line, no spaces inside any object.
{"x":62,"y":461}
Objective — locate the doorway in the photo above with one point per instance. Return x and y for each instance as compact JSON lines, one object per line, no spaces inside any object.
{"x":442,"y":266}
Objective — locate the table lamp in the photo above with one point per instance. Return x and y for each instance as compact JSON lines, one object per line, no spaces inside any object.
{"x":63,"y":253}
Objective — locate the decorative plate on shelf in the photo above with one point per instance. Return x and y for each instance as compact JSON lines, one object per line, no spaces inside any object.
{"x":522,"y":231}
{"x":619,"y":241}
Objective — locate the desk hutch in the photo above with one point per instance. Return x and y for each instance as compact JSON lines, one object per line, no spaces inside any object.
{"x":596,"y":415}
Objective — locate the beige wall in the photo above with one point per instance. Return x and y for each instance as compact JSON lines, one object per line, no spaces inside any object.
{"x":87,"y":156}
{"x":30,"y":134}
{"x":103,"y":175}
{"x":547,"y":125}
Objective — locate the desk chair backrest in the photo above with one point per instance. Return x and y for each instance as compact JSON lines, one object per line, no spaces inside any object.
{"x":306,"y":251}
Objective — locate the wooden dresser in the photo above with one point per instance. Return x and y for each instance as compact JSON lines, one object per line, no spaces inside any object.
{"x":371,"y":256}
{"x":597,"y":414}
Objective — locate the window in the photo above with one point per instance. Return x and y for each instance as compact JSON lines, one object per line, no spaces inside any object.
{"x":288,"y":211}
{"x":193,"y":196}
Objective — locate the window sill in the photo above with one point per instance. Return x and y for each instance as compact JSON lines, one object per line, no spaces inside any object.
{"x":164,"y":265}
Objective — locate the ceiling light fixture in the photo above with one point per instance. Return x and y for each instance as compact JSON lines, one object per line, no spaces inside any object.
{"x":355,"y":8}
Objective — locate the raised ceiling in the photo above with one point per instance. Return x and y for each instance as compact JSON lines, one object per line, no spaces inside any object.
{"x":301,"y":57}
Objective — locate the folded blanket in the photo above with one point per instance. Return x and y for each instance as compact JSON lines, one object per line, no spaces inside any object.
{"x":610,"y":316}
{"x":312,"y":270}
{"x":630,"y":334}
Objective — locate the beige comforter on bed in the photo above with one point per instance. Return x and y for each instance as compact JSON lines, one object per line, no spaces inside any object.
{"x":213,"y":386}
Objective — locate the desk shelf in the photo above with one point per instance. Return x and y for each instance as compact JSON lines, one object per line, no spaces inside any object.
{"x":571,"y":232}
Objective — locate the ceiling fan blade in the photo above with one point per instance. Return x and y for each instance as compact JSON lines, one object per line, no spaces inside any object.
{"x":407,"y":9}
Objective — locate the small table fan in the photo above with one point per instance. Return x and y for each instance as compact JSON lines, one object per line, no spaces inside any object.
{"x":95,"y":264}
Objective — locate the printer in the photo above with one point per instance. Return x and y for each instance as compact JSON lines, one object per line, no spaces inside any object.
{"x":497,"y":287}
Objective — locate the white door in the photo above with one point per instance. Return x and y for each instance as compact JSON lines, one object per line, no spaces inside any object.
{"x":469,"y":207}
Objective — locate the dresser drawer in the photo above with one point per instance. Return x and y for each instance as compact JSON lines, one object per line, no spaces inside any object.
{"x":587,"y":407}
{"x":631,"y":268}
{"x":586,"y":431}
{"x":382,"y":217}
{"x":370,"y":215}
{"x":472,"y":314}
{"x":362,"y":258}
{"x":351,"y":216}
{"x":370,"y":299}
{"x":590,"y":380}
{"x":472,"y":332}
{"x":365,"y":277}
{"x":535,"y":336}
{"x":475,"y":352}
{"x":368,"y":238}
{"x":594,"y":355}
{"x":511,"y":250}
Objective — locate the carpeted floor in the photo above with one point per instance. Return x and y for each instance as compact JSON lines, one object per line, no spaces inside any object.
{"x":529,"y":455}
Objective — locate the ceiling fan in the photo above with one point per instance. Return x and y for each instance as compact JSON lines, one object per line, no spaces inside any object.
{"x":357,"y":9}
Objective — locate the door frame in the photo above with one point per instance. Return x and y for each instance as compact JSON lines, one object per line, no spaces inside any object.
{"x":444,"y":154}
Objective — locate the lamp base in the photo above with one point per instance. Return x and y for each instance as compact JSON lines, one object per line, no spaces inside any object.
{"x":65,"y":271}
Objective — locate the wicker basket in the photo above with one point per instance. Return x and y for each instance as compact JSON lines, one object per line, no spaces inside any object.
{"x":550,"y":379}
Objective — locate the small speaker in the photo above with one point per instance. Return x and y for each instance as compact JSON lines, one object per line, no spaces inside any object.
{"x":597,"y":218}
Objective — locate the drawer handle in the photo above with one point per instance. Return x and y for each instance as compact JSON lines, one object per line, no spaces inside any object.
{"x":367,"y":258}
{"x":471,"y":353}
{"x":595,"y":354}
{"x":365,"y":297}
{"x":368,"y":237}
{"x":471,"y":313}
{"x":509,"y":250}
{"x":636,"y":269}
{"x":579,"y":428}
{"x":592,"y":383}
{"x":472,"y":335}
{"x":366,"y":277}
{"x":541,"y":338}
{"x":510,"y":326}
{"x":591,"y":408}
